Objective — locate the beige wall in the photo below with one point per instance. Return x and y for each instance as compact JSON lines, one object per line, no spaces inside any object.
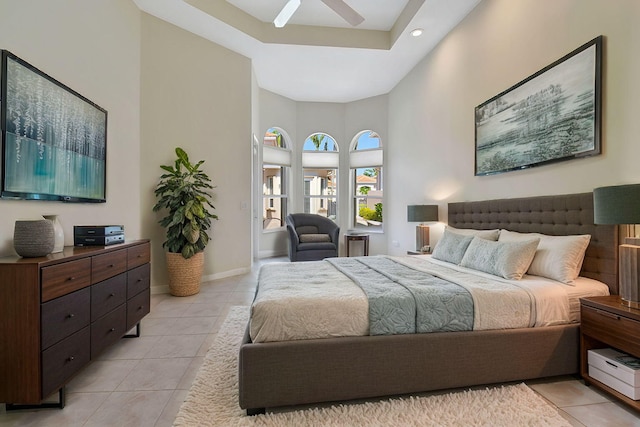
{"x":431,"y":111}
{"x":94,"y":48}
{"x":197,"y":95}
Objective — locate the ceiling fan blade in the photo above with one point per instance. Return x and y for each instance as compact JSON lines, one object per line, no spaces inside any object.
{"x":286,"y":13}
{"x":345,"y":11}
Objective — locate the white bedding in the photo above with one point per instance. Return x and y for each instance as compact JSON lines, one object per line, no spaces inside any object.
{"x":314,"y":300}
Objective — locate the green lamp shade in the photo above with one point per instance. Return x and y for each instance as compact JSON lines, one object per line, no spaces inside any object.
{"x":422,"y":213}
{"x":618,"y":204}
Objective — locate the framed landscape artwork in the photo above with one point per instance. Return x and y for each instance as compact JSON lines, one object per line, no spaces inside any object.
{"x":551,"y":116}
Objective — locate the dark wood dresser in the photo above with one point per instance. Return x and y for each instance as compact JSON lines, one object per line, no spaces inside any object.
{"x":60,"y":311}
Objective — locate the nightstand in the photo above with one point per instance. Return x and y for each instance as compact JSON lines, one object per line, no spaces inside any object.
{"x":605,"y":322}
{"x":349,"y":237}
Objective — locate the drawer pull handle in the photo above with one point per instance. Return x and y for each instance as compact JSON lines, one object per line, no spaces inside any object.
{"x":112,"y":294}
{"x":70,"y":358}
{"x":607,"y":314}
{"x":71,"y":315}
{"x":110,"y":266}
{"x":611,"y":364}
{"x":112,"y":330}
{"x":70,"y":278}
{"x":139,"y":280}
{"x":141,"y":307}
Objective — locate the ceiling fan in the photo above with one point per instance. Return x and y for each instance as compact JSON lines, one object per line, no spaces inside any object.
{"x":338,"y":6}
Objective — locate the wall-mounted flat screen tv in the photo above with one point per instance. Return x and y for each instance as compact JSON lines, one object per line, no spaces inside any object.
{"x":54,"y":140}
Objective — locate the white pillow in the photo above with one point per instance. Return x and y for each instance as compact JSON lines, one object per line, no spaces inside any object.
{"x":451,"y":247}
{"x":558,"y":257}
{"x":485,"y":234}
{"x":507,"y":259}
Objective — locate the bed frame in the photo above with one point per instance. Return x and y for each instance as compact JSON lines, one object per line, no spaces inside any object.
{"x":322,"y":370}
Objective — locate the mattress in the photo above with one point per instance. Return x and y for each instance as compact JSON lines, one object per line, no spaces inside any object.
{"x":315,"y":300}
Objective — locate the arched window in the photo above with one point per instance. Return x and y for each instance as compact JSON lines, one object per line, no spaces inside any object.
{"x":320,"y":172}
{"x":366,"y":161}
{"x":276,"y":165}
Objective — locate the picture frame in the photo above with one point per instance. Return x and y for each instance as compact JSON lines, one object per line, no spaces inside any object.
{"x":54,"y":140}
{"x":553,"y":115}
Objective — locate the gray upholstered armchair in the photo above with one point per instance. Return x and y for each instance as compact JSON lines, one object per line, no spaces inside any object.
{"x":311,"y":237}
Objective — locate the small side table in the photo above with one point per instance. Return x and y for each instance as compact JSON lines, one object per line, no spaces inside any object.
{"x":363,"y":237}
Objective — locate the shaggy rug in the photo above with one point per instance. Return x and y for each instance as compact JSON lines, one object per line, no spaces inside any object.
{"x":213,"y":400}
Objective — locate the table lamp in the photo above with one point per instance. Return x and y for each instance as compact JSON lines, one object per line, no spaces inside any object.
{"x":422,"y":213}
{"x":620,"y":205}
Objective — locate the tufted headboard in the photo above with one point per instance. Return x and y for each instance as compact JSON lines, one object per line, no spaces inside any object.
{"x":553,"y":215}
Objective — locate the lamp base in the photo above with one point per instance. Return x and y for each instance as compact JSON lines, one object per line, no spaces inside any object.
{"x":630,"y":275}
{"x":630,"y":304}
{"x":422,"y":236}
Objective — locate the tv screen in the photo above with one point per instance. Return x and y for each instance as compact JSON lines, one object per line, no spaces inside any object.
{"x":54,"y":140}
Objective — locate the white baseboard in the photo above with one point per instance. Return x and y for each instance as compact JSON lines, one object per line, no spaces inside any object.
{"x":164,"y":289}
{"x":159,"y":289}
{"x":270,"y":254}
{"x":225,"y":274}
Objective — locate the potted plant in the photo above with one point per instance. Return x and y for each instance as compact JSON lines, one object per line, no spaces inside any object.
{"x":184,"y":193}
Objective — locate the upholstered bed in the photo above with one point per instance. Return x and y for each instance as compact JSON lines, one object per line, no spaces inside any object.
{"x":302,"y":371}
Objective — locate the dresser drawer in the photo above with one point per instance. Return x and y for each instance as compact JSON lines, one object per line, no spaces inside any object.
{"x":61,"y":361}
{"x":108,"y":265}
{"x":138,"y":255}
{"x":62,"y":279}
{"x":610,"y":328}
{"x":63,"y":316}
{"x":108,"y":329}
{"x":107,"y":295}
{"x":138,"y":280}
{"x":138,"y":307}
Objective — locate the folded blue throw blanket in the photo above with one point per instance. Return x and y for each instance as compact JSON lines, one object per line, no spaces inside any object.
{"x":403,"y":300}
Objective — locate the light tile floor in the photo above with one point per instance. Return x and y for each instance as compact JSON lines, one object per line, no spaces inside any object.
{"x":143,"y":381}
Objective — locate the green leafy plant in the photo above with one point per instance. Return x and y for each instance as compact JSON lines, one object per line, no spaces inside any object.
{"x":183,"y":191}
{"x":378,"y":207}
{"x":364,"y":190}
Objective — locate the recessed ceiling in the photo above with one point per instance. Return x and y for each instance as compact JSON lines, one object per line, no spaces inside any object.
{"x":378,"y":14}
{"x":317,"y":56}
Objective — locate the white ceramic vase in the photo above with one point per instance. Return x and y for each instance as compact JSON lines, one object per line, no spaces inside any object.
{"x":58,"y":232}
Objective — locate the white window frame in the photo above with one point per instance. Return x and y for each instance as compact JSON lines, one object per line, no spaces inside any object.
{"x":362,"y":159}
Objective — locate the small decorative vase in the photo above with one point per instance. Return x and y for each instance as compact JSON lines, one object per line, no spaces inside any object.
{"x":33,"y":238}
{"x":58,"y":231}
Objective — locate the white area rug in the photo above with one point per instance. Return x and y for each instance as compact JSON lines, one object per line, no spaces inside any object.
{"x":213,"y":400}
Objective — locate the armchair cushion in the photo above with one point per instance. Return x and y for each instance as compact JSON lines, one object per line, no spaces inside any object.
{"x":314,"y":238}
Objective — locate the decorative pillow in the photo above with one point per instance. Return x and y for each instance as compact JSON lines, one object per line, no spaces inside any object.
{"x":558,"y":257}
{"x":485,"y":234}
{"x":314,"y":238}
{"x":507,"y":259}
{"x":451,"y":247}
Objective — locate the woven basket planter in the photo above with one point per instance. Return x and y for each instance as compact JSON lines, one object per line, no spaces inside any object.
{"x":184,"y":274}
